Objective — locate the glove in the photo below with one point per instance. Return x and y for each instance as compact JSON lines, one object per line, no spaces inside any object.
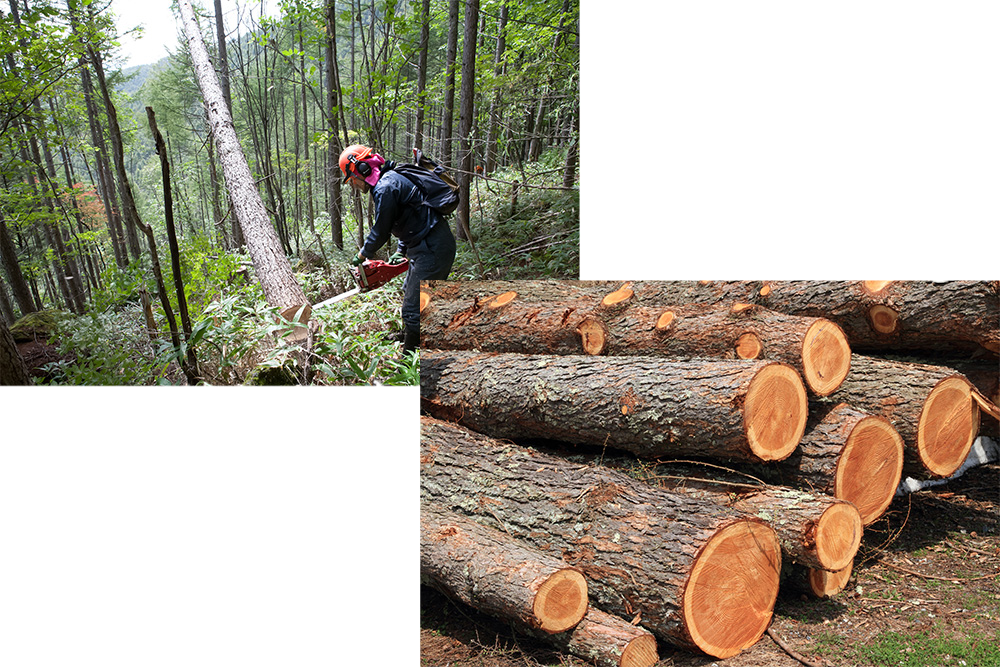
{"x":358,"y":259}
{"x":397,"y":258}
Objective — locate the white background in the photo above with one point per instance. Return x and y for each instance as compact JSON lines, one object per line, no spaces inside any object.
{"x":209,"y":526}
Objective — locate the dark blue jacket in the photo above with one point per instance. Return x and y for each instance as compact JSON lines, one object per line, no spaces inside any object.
{"x":399,"y":211}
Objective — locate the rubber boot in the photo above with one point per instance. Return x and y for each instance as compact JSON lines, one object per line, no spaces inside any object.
{"x":411,"y":340}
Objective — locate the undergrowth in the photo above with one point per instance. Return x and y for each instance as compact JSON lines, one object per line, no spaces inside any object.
{"x":239,"y":339}
{"x":536,"y":237}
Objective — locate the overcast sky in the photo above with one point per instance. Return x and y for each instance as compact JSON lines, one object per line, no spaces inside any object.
{"x":160,"y":27}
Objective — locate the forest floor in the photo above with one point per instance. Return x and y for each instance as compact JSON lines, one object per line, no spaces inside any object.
{"x":925,"y":592}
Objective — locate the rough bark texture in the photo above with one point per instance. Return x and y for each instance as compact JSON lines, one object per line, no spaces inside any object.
{"x":608,"y":641}
{"x":487,"y":569}
{"x":649,"y":406}
{"x":814,"y":529}
{"x":508,"y":322}
{"x":847,"y":453}
{"x":961,"y":316}
{"x":637,"y":545}
{"x":13,"y":370}
{"x":270,"y":263}
{"x":901,"y":393}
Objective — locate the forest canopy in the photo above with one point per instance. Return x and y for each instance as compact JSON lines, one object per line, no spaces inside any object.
{"x":123,"y":261}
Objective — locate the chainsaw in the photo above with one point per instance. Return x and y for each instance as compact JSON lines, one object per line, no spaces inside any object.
{"x":372,"y":274}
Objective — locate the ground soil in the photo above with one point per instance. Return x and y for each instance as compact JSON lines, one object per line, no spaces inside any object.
{"x":36,"y":354}
{"x":950,"y":531}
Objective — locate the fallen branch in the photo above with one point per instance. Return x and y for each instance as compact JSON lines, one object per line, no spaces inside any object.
{"x":792,"y":652}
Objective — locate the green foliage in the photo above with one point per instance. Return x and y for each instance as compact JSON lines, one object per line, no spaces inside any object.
{"x":110,"y":348}
{"x":539,"y":238}
{"x":353,"y":346}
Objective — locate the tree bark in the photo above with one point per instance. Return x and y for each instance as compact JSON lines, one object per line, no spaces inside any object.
{"x":270,"y":263}
{"x":13,"y":371}
{"x":698,"y":575}
{"x":495,"y":106}
{"x":335,"y":110}
{"x":958,"y":316}
{"x":931,"y":407}
{"x":425,"y":32}
{"x":487,"y":569}
{"x":8,"y":259}
{"x":448,"y":113}
{"x":190,"y":364}
{"x":747,"y":410}
{"x":814,"y":529}
{"x":815,"y":346}
{"x":466,"y":119}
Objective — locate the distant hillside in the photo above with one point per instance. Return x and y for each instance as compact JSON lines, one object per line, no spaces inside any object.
{"x":134,"y":77}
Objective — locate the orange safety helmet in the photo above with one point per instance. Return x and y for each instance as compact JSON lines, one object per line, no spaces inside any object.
{"x":351,"y":157}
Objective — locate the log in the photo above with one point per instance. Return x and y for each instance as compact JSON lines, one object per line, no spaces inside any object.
{"x":608,"y":641}
{"x":957,"y":316}
{"x":504,"y":322}
{"x":697,"y":575}
{"x":488,"y":570}
{"x":814,"y":529}
{"x":932,"y":408}
{"x":751,"y":410}
{"x":847,"y":453}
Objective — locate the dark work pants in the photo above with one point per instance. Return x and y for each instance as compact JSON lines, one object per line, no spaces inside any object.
{"x":431,"y":259}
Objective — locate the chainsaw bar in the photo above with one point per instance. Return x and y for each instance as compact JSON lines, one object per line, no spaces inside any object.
{"x":372,"y":274}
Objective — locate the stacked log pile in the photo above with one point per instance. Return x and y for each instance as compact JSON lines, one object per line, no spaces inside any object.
{"x":826,"y":392}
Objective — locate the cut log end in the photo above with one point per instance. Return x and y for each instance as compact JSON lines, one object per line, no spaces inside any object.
{"x":949,"y":422}
{"x":561,"y":601}
{"x":425,"y":299}
{"x":876,"y":286}
{"x":501,"y":300}
{"x":883,"y":319}
{"x":730,"y":595}
{"x":825,"y":584}
{"x":640,"y":652}
{"x":593,"y":336}
{"x":826,"y":357}
{"x":838,"y":536}
{"x":665,"y":320}
{"x":870,"y":467}
{"x":775,"y":411}
{"x":620,"y":295}
{"x":748,"y":346}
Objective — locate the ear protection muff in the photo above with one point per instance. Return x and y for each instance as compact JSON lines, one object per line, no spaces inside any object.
{"x":360,"y":167}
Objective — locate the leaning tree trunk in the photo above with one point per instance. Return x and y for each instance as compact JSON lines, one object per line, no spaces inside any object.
{"x":750,"y":410}
{"x":490,"y":571}
{"x":270,"y":263}
{"x":932,"y":408}
{"x":616,"y":325}
{"x":696,"y":574}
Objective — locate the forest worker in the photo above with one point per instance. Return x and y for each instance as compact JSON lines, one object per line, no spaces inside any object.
{"x":424,"y":236}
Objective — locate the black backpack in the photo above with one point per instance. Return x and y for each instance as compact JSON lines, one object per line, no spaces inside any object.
{"x":440,"y":191}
